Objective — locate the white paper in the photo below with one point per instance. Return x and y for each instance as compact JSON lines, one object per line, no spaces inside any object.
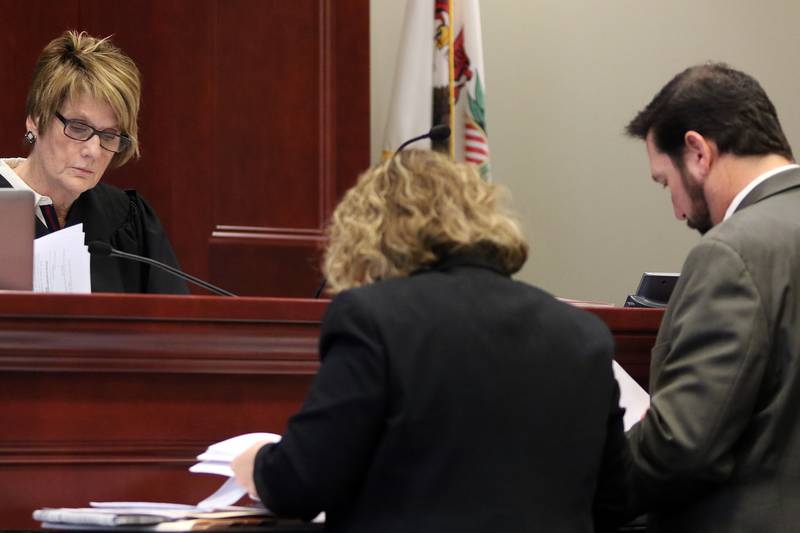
{"x":212,"y":467}
{"x":227,"y":449}
{"x":142,"y":505}
{"x":61,"y":262}
{"x":229,"y":493}
{"x":632,"y":397}
{"x":103,"y":517}
{"x":176,"y":510}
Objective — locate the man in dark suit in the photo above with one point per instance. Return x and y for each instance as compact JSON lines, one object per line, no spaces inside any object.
{"x":719,"y":449}
{"x":450,"y":397}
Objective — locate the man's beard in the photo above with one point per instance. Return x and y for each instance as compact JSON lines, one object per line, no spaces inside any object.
{"x":699,"y":219}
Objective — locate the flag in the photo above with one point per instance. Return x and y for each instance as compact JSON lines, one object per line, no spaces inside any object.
{"x":439,"y":79}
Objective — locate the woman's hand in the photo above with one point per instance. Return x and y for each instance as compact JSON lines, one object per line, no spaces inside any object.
{"x":243,"y":465}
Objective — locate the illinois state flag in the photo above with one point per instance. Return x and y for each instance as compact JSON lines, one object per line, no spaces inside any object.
{"x":439,"y":79}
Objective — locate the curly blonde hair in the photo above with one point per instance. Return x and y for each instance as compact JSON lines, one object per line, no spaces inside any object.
{"x":413,"y":210}
{"x":74,"y":63}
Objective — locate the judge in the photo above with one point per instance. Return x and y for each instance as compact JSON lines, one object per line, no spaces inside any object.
{"x":82,"y":110}
{"x":450,"y":397}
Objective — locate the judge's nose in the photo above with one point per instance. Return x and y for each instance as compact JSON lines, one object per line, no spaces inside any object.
{"x":91,"y":148}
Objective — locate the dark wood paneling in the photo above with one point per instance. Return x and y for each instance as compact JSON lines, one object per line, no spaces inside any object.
{"x":321,"y":138}
{"x":254,"y":113}
{"x":274,"y":154}
{"x":26,"y":28}
{"x":350,"y":97}
{"x":635,"y":333}
{"x":290,"y":260}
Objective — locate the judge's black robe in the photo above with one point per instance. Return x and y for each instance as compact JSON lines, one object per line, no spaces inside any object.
{"x":126,"y":221}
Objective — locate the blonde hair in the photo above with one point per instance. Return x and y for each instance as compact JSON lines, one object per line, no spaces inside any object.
{"x":77,"y":63}
{"x":413,"y":210}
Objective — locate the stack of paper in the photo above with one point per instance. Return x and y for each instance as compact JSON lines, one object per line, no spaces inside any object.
{"x":158,"y":516}
{"x":61,"y":262}
{"x":217,"y":460}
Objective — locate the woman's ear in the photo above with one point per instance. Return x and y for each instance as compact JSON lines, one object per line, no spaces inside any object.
{"x":31,"y":126}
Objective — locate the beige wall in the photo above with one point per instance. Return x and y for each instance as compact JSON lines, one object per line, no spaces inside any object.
{"x":563,"y":77}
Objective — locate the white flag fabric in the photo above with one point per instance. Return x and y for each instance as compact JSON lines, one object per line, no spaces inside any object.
{"x":411,"y":107}
{"x":439,"y":79}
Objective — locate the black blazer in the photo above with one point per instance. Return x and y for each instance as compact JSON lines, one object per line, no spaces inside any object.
{"x":455,"y":399}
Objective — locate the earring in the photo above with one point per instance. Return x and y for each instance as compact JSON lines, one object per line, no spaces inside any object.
{"x":30,"y":138}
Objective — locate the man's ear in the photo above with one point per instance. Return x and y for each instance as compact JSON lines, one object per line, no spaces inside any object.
{"x":699,"y":154}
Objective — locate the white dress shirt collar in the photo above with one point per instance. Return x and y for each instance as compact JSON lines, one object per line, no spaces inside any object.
{"x":752,"y":185}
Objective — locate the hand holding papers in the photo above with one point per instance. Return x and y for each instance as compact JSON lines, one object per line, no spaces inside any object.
{"x":217,"y":460}
{"x":632,"y":397}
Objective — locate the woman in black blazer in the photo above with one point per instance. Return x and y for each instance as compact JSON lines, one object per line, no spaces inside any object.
{"x":450,"y":397}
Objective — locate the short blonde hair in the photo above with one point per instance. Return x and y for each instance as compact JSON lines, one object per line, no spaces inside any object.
{"x":413,"y":210}
{"x":75,"y":63}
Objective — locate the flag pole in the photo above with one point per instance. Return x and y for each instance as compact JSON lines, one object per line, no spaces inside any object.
{"x":452,"y":97}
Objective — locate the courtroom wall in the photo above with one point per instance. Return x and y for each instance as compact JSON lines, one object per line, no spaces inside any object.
{"x":562,"y":80}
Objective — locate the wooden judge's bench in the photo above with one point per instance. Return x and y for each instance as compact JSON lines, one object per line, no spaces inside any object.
{"x":110,"y":397}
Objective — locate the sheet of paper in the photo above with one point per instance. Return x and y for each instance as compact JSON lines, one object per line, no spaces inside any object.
{"x":142,"y":505}
{"x":61,"y":262}
{"x":220,"y":468}
{"x":632,"y":397}
{"x":179,"y":510}
{"x":227,"y":449}
{"x":229,"y":493}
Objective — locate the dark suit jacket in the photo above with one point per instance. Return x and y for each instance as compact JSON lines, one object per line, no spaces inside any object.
{"x":455,"y":399}
{"x":719,"y":450}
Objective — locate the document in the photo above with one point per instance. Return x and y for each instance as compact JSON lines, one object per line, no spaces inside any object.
{"x":98,"y":517}
{"x":61,"y":262}
{"x":113,"y":514}
{"x":632,"y":397}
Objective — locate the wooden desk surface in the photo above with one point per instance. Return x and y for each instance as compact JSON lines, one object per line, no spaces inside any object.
{"x":110,"y":397}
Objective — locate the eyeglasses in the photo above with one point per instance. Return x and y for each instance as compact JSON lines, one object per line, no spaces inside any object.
{"x":77,"y":130}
